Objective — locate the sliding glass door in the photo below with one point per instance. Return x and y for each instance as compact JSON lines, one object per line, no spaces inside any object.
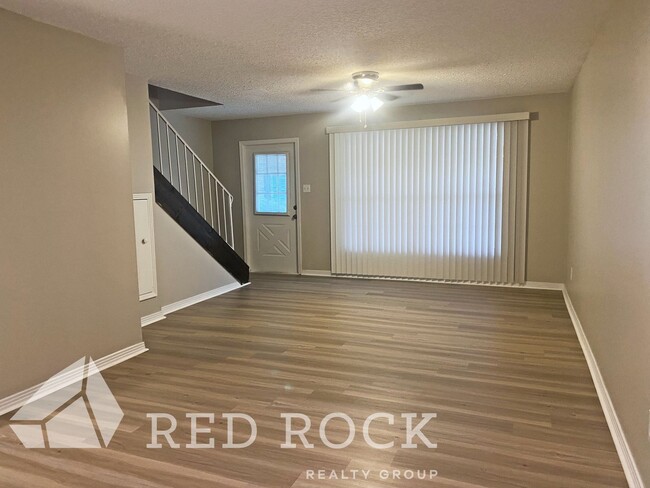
{"x":445,"y":202}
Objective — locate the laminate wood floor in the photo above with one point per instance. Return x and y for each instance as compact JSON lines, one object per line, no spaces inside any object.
{"x":501,"y":367}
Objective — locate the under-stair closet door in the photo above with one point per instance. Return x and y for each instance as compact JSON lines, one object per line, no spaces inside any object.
{"x":144,"y":245}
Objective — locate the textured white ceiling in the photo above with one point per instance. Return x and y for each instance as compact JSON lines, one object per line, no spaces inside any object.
{"x":262,"y":57}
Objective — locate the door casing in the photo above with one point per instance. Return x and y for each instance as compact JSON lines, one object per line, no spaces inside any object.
{"x":243,"y":146}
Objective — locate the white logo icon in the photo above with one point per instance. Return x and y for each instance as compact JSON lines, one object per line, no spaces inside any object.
{"x":82,"y":414}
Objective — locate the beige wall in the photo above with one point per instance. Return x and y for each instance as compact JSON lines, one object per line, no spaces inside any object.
{"x":196,"y":132}
{"x":609,"y":240}
{"x":548,"y":171}
{"x":140,"y":148}
{"x":183,"y":268}
{"x":141,"y":156}
{"x":68,"y":282}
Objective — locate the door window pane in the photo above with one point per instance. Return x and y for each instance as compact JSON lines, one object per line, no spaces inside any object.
{"x":271,"y":183}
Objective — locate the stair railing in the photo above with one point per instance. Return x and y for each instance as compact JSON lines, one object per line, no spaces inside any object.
{"x":183,"y":168}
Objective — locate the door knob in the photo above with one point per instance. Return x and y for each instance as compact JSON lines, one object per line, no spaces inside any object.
{"x":144,"y":241}
{"x":294,"y":217}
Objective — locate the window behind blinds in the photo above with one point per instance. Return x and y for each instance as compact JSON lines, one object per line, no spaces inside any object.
{"x":443,"y":202}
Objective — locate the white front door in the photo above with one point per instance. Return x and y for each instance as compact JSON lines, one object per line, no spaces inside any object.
{"x":270,"y":207}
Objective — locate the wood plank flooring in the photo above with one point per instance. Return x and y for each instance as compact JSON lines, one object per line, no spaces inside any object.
{"x":501,"y":367}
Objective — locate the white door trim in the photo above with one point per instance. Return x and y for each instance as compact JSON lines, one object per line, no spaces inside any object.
{"x":296,"y":155}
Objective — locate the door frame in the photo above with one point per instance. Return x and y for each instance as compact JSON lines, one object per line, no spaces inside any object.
{"x":243,"y":145}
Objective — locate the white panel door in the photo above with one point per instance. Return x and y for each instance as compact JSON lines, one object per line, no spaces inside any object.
{"x":269,"y":175}
{"x":146,"y":260}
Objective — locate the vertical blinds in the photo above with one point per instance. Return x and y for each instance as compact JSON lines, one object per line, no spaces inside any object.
{"x":439,"y":203}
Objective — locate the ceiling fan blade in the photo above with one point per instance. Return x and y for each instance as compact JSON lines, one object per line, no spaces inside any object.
{"x":413,"y":86}
{"x":346,"y":97}
{"x":328,"y":90}
{"x":387,"y":97}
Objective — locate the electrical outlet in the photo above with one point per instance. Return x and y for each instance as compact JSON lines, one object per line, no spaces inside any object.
{"x":306,"y":188}
{"x":571,"y":274}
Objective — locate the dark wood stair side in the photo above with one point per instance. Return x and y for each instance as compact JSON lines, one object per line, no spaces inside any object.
{"x":179,"y":209}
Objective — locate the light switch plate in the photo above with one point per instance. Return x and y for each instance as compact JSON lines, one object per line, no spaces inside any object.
{"x":306,"y":188}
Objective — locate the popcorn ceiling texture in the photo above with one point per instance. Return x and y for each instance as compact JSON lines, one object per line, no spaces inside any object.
{"x":262,"y":57}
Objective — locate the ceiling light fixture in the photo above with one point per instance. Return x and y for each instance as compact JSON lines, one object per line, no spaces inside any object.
{"x":367,"y":97}
{"x":365,"y":79}
{"x":375,"y":103}
{"x":363,"y":103}
{"x":365,"y":82}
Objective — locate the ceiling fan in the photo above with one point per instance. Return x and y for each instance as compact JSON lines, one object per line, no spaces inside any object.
{"x":367,"y":94}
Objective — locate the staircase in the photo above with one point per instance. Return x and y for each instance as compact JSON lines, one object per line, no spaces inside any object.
{"x":193,"y":196}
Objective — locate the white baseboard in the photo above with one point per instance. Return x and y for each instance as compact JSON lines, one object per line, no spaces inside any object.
{"x":622,"y":447}
{"x":533,"y":285}
{"x":17,"y":400}
{"x":316,"y":272}
{"x":150,"y":319}
{"x":173,"y":307}
{"x":542,"y":285}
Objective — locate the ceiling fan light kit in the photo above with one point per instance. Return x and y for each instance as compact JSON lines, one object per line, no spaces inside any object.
{"x":363,"y":102}
{"x":368,"y":96}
